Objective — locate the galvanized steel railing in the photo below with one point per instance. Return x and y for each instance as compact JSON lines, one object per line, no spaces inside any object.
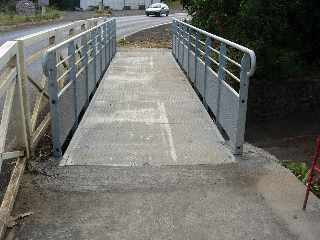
{"x":74,"y":69}
{"x":219,"y":71}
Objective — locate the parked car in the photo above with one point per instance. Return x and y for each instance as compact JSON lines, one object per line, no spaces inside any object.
{"x":158,"y":9}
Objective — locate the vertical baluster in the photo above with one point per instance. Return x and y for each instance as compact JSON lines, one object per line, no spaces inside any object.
{"x":109,"y":41}
{"x":105,"y":45}
{"x":73,"y":78}
{"x":100,"y":51}
{"x":189,"y":49}
{"x":207,"y":65}
{"x":173,"y":36}
{"x":221,"y":75}
{"x":183,"y":42}
{"x":94,"y":51}
{"x":51,"y":63}
{"x":84,"y":42}
{"x":115,"y":36}
{"x":196,"y":53}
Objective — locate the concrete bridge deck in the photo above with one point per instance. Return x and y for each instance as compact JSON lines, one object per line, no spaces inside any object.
{"x":145,"y":112}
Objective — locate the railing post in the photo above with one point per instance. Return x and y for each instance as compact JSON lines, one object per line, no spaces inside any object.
{"x":189,"y":49}
{"x":173,"y":36}
{"x":178,"y":40}
{"x":115,"y":37}
{"x":221,"y":75}
{"x":73,"y":78}
{"x":100,"y":50}
{"x":183,"y":41}
{"x":94,"y":51}
{"x":109,"y":42}
{"x":243,"y":98}
{"x":51,"y":63}
{"x":196,"y":53}
{"x":84,"y":42}
{"x":207,"y":65}
{"x":24,"y":98}
{"x":105,"y":45}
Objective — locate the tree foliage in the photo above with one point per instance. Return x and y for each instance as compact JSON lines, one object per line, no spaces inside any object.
{"x":65,"y":4}
{"x":283,"y":33}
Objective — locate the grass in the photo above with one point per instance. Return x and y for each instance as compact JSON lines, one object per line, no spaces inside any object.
{"x":103,"y":13}
{"x":300,"y":170}
{"x":7,"y":19}
{"x":174,"y":4}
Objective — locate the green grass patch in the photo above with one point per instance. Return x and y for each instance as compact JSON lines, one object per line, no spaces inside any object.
{"x":300,"y":170}
{"x":7,"y":19}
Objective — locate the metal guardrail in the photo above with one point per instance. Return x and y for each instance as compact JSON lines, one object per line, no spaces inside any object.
{"x":74,"y":69}
{"x":220,"y":71}
{"x":31,"y":50}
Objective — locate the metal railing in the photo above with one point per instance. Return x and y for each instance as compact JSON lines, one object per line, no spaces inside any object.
{"x":31,"y":50}
{"x":219,"y":71}
{"x":74,"y":69}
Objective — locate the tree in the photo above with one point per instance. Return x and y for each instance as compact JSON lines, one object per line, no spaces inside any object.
{"x":283,"y":33}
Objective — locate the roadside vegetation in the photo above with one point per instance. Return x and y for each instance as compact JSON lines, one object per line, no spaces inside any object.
{"x":301,"y":171}
{"x":174,"y":4}
{"x":11,"y":18}
{"x":106,"y":12}
{"x":284,"y":34}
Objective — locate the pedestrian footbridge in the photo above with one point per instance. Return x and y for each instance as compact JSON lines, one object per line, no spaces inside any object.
{"x":136,"y":107}
{"x":146,"y":142}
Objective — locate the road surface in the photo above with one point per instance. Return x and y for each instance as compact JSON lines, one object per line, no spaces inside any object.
{"x":125,"y":26}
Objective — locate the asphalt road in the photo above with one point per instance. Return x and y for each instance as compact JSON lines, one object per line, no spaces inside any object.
{"x":125,"y":26}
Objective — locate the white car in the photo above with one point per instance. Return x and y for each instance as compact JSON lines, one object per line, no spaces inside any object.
{"x":158,"y":9}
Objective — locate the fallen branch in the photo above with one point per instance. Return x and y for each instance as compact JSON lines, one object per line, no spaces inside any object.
{"x":10,"y":195}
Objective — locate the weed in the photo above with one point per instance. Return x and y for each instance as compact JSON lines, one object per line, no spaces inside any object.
{"x":301,"y":170}
{"x":11,"y":18}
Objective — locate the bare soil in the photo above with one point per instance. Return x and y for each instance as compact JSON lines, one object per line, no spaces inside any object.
{"x":158,"y":37}
{"x":290,"y":139}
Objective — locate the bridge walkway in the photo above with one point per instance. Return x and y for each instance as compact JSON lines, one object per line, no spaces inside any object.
{"x":145,"y":112}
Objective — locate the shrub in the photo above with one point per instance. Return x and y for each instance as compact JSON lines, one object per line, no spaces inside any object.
{"x":283,"y":33}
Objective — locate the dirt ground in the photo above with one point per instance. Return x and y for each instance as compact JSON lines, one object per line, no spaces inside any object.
{"x":158,"y":37}
{"x":289,"y":139}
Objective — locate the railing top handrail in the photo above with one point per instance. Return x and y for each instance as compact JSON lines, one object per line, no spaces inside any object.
{"x":44,"y":33}
{"x":250,"y":52}
{"x":54,"y":48}
{"x":7,"y":51}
